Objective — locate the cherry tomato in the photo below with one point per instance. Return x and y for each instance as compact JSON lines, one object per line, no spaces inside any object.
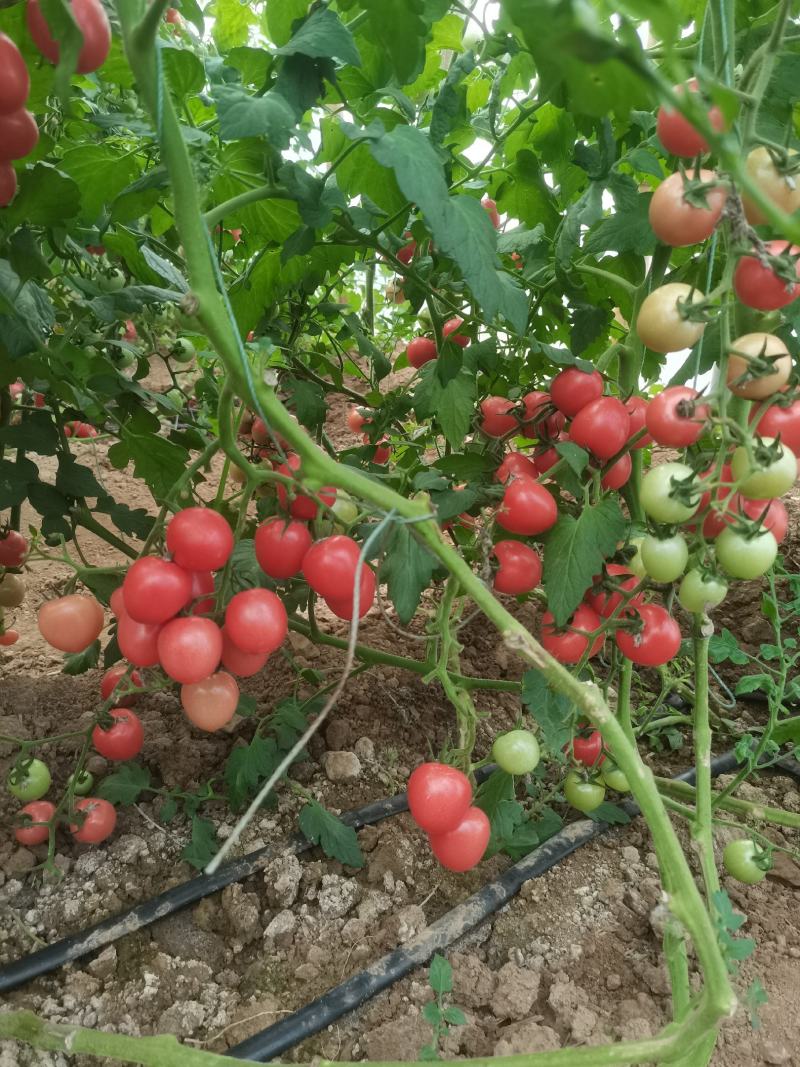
{"x":637,"y":406}
{"x":190,"y":649}
{"x":745,"y":557}
{"x":260,"y":432}
{"x":381,"y":450}
{"x":618,"y":474}
{"x":281,"y":547}
{"x":758,"y":285}
{"x":438,"y":797}
{"x":10,"y":637}
{"x":155,"y":590}
{"x":745,"y":375}
{"x":238,"y":662}
{"x":406,"y":253}
{"x":536,"y":419}
{"x":602,"y":426}
{"x":202,"y":584}
{"x":700,"y":591}
{"x":663,"y":497}
{"x":582,"y":794}
{"x":772,"y":514}
{"x":71,"y":623}
{"x":40,"y":811}
{"x":345,"y":508}
{"x":606,"y":603}
{"x":330,"y":565}
{"x":138,"y":641}
{"x":82,"y":784}
{"x":573,"y":389}
{"x":449,"y":331}
{"x":496,"y":420}
{"x":665,"y":558}
{"x":587,"y":749}
{"x":199,"y":539}
{"x":356,"y":421}
{"x":256,"y":621}
{"x":677,"y":134}
{"x":342,"y":607}
{"x":783,"y":422}
{"x":93,"y":24}
{"x":520,"y":568}
{"x":635,"y":564}
{"x":8,"y":183}
{"x":13,"y":549}
{"x":569,"y":645}
{"x":782,"y":189}
{"x":660,"y":324}
{"x":674,"y":418}
{"x":746,"y":861}
{"x":19,"y":135}
{"x":420,"y":351}
{"x":12,"y":590}
{"x":99,"y":821}
{"x":29,"y":781}
{"x":121,"y":741}
{"x":111,"y":680}
{"x":675,"y":219}
{"x":515,"y":463}
{"x":516,"y":752}
{"x":527,"y":508}
{"x":15,"y":82}
{"x":211,"y":703}
{"x":301,"y":506}
{"x":656,"y":642}
{"x":766,"y":474}
{"x":463,"y":847}
{"x":490,"y":207}
{"x":614,"y":778}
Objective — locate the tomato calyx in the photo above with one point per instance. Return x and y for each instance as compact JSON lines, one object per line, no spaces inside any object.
{"x":759,"y":366}
{"x":696,"y":189}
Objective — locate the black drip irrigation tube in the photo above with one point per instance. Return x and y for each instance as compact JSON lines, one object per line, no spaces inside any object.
{"x":348,"y":995}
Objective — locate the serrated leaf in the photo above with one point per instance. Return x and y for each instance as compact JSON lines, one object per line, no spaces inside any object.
{"x":400,"y":28}
{"x":248,"y":766}
{"x":551,"y":710}
{"x":76,"y":480}
{"x":752,"y":682}
{"x":36,"y":432}
{"x":335,"y":839}
{"x":576,"y":457}
{"x":203,"y":846}
{"x":493,"y":791}
{"x":407,"y":571}
{"x":323,"y":35}
{"x":15,"y":477}
{"x":166,"y":270}
{"x":168,"y":810}
{"x":309,"y":402}
{"x":610,"y":813}
{"x":243,"y":115}
{"x":440,"y":975}
{"x":158,"y":462}
{"x":724,"y":646}
{"x":80,"y":662}
{"x":574,"y":553}
{"x":432,"y":1013}
{"x":454,"y":1016}
{"x":126,"y":785}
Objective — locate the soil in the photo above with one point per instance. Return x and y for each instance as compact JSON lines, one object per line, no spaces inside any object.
{"x":575,"y":959}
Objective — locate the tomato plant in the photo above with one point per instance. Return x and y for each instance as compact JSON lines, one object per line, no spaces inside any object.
{"x":583,"y":794}
{"x":438,"y":797}
{"x":122,"y":739}
{"x":745,"y":861}
{"x":29,"y":780}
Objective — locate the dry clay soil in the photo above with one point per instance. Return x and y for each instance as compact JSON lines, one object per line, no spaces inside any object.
{"x":573,"y":960}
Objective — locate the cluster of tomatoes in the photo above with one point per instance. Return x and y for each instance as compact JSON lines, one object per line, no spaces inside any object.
{"x":13,"y":550}
{"x":30,"y":780}
{"x":19,"y":134}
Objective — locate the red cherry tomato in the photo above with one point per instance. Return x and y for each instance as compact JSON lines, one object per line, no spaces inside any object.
{"x":121,"y":741}
{"x":616,"y":476}
{"x":540,"y":417}
{"x":438,"y":797}
{"x":301,"y":507}
{"x":211,"y":703}
{"x":490,"y":207}
{"x":202,"y":584}
{"x":573,"y":389}
{"x":757,"y":284}
{"x":548,"y":457}
{"x":602,"y":426}
{"x":38,"y":811}
{"x":19,"y":135}
{"x":420,"y":351}
{"x":189,"y":649}
{"x":13,"y":549}
{"x":256,"y":621}
{"x":520,"y":568}
{"x":10,"y":637}
{"x":515,"y":463}
{"x":8,"y":183}
{"x":111,"y":680}
{"x":84,"y":430}
{"x":381,"y":450}
{"x":117,"y":602}
{"x":238,"y":662}
{"x":449,"y":332}
{"x":155,"y":590}
{"x":776,"y":519}
{"x":568,"y":646}
{"x":15,"y":82}
{"x":463,"y":847}
{"x":606,"y":603}
{"x":658,"y":640}
{"x":675,"y":219}
{"x":587,"y":749}
{"x":678,"y":135}
{"x":138,"y":641}
{"x":356,"y":421}
{"x":330,"y":566}
{"x":173,"y":17}
{"x":199,"y":539}
{"x":93,"y":24}
{"x":99,"y":822}
{"x":783,"y":422}
{"x":495,"y":418}
{"x":527,"y":508}
{"x":406,"y":253}
{"x":637,"y":406}
{"x":343,"y":607}
{"x":674,"y":418}
{"x":281,"y":547}
{"x":71,"y":623}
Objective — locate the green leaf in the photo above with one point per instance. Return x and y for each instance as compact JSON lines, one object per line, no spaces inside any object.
{"x":440,"y":976}
{"x":281,"y":14}
{"x":308,"y":400}
{"x":323,"y":36}
{"x":494,"y":791}
{"x":288,"y":722}
{"x":242,"y":115}
{"x":35,"y":433}
{"x":183,"y":70}
{"x":610,"y":813}
{"x":432,"y":1013}
{"x":454,"y":1016}
{"x":407,"y":571}
{"x":531,"y":833}
{"x":26,"y":313}
{"x":466,"y":466}
{"x":134,"y":522}
{"x":203,"y":846}
{"x":158,"y":462}
{"x":552,"y":711}
{"x":367,"y":347}
{"x":336,"y":840}
{"x":248,"y":766}
{"x":449,"y":101}
{"x":451,"y":404}
{"x":577,"y":458}
{"x":574,"y":553}
{"x":724,"y":647}
{"x":752,"y":682}
{"x":168,"y":271}
{"x":75,"y":480}
{"x":126,"y":785}
{"x":755,"y":997}
{"x":46,"y":196}
{"x":168,"y":810}
{"x":99,"y":173}
{"x":14,"y":480}
{"x":81,"y":662}
{"x":400,"y":29}
{"x":588,"y":323}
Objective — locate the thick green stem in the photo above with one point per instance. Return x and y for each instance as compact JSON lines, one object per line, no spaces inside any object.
{"x":624,"y":700}
{"x":702,"y":830}
{"x":757,"y":812}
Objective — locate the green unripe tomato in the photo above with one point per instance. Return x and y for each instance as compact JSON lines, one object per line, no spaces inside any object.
{"x":82,"y":785}
{"x":183,"y":351}
{"x":745,"y":557}
{"x":699,"y":592}
{"x":516,"y":752}
{"x":582,"y":794}
{"x":665,"y":558}
{"x":745,"y":861}
{"x":614,"y":778}
{"x":768,"y":479}
{"x":111,"y":283}
{"x":125,"y":360}
{"x":636,"y":564}
{"x":658,"y":487}
{"x":177,"y":397}
{"x":31,"y":783}
{"x":345,"y":508}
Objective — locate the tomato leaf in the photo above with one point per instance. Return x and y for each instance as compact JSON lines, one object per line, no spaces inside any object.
{"x":80,"y":662}
{"x":400,"y":28}
{"x":323,"y":36}
{"x":610,"y":813}
{"x":574,"y":553}
{"x":242,"y":115}
{"x":247,"y":767}
{"x":552,"y":711}
{"x":203,"y":846}
{"x":126,"y":785}
{"x":336,"y":840}
{"x":440,"y":975}
{"x":35,"y":433}
{"x":493,"y":791}
{"x":724,"y":647}
{"x":407,"y":570}
{"x":158,"y":462}
{"x":75,"y":480}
